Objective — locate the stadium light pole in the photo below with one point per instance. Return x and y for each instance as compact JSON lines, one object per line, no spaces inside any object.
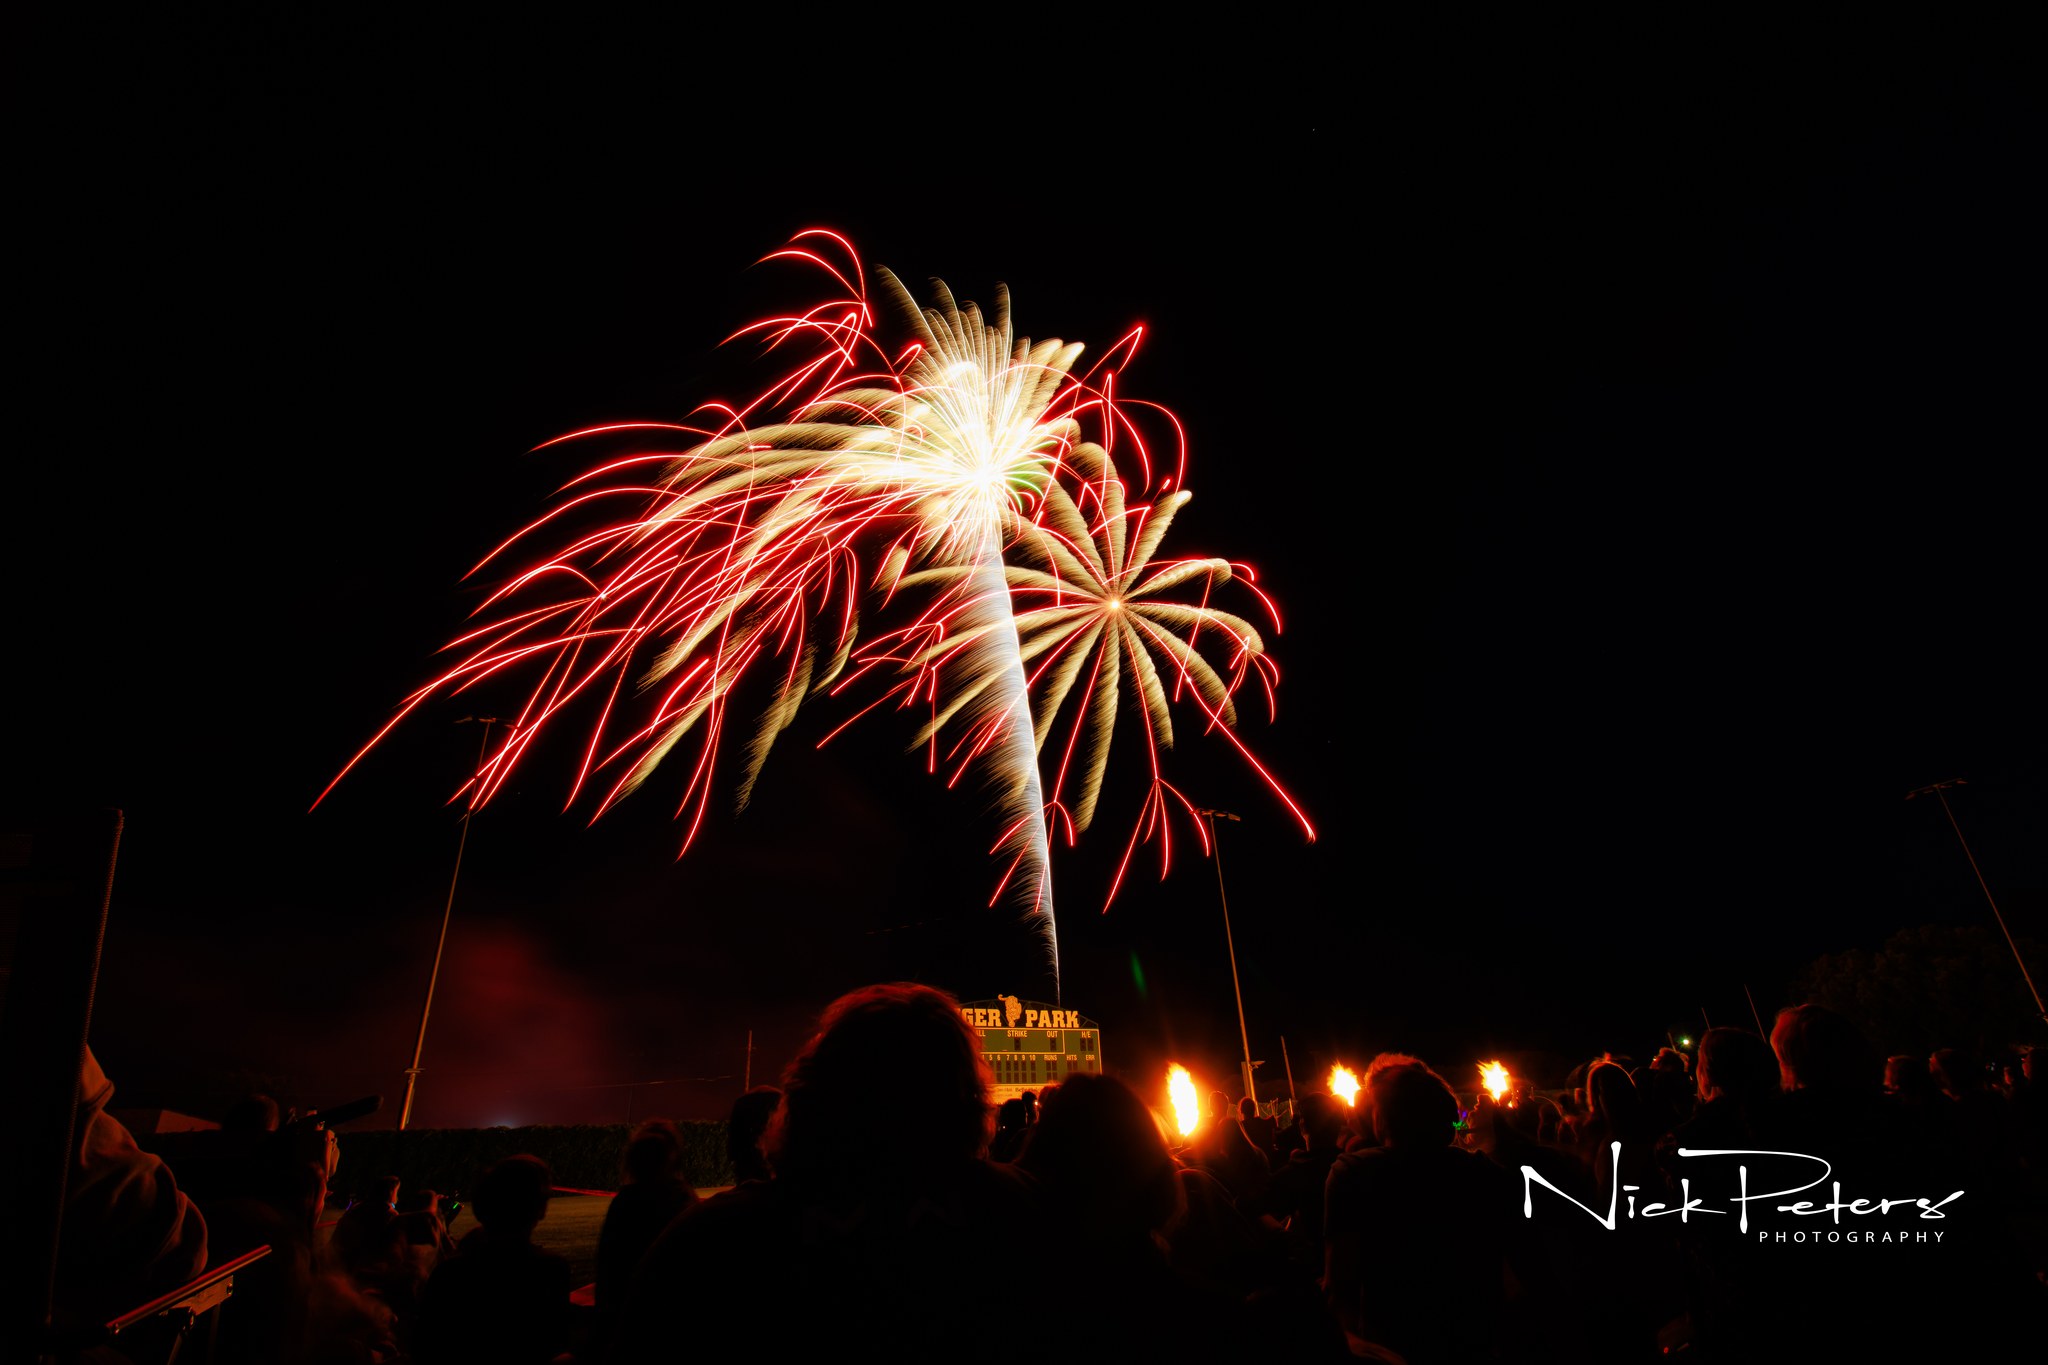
{"x":1230,"y":942}
{"x":1940,"y":790}
{"x":419,"y":1047}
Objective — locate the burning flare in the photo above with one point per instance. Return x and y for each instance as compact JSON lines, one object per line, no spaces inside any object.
{"x":1494,"y":1077}
{"x":1344,"y":1085}
{"x":1180,"y":1090}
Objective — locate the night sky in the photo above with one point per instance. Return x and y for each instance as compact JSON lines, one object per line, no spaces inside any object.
{"x":1644,"y":463}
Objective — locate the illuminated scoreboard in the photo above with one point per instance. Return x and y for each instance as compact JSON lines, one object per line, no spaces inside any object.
{"x":1030,"y":1045}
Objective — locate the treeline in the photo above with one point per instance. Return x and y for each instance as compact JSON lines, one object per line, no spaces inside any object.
{"x":1935,"y":986}
{"x":581,"y":1155}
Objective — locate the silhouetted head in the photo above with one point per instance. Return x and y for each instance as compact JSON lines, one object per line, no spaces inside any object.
{"x":1104,"y":1159}
{"x":653,"y":1152}
{"x":1611,"y":1095}
{"x":748,"y":1122}
{"x":746,"y":1131}
{"x":1668,"y":1059}
{"x":1012,"y":1115}
{"x":1322,"y":1119}
{"x":1736,"y":1063}
{"x":1954,"y":1070}
{"x":251,"y":1114}
{"x":384,"y":1190}
{"x":1029,"y":1099}
{"x":1385,"y":1060}
{"x":1549,"y":1120}
{"x":289,"y":1171}
{"x":1247,"y":1107}
{"x":512,"y":1196}
{"x":1523,"y":1116}
{"x":1412,"y":1108}
{"x":892,"y":1088}
{"x":419,"y":1201}
{"x":1359,"y":1113}
{"x":1820,"y":1050}
{"x":1908,"y":1076}
{"x":1219,"y":1106}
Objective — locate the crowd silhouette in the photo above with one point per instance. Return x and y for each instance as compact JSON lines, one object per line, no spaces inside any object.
{"x":881,"y":1203}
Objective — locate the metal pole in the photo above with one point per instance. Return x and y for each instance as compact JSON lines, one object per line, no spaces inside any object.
{"x":419,"y":1047}
{"x":747,"y":1082}
{"x":1940,"y":790}
{"x":1290,"y":1071}
{"x":1762,"y":1032}
{"x":1216,"y":852}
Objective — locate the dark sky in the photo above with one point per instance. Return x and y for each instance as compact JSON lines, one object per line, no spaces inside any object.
{"x":1644,"y":461}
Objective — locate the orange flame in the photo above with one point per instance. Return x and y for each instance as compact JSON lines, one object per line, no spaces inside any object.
{"x":1494,"y":1077}
{"x":1180,"y":1089}
{"x":1344,"y":1085}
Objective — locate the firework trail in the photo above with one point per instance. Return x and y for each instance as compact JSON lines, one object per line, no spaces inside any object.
{"x":1086,"y":603}
{"x":746,"y":554}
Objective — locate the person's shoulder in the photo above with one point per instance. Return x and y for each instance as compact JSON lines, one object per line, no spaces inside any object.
{"x":627,"y":1195}
{"x":1001,"y":1181}
{"x":674,"y":1198}
{"x":750,"y":1199}
{"x":650,"y":1200}
{"x":1361,"y":1159}
{"x":1358,"y":1169}
{"x":1296,"y":1175}
{"x":456,"y":1269}
{"x":524,"y":1264}
{"x":1292,"y":1166}
{"x":1478,"y":1180}
{"x":986,"y":1196}
{"x":1475,"y":1166}
{"x":730,"y":1214}
{"x":1463,"y":1160}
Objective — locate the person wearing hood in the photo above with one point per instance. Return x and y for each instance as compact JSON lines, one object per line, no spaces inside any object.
{"x":128,"y":1232}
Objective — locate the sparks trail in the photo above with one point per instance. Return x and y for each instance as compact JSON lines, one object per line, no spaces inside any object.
{"x":971,"y":470}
